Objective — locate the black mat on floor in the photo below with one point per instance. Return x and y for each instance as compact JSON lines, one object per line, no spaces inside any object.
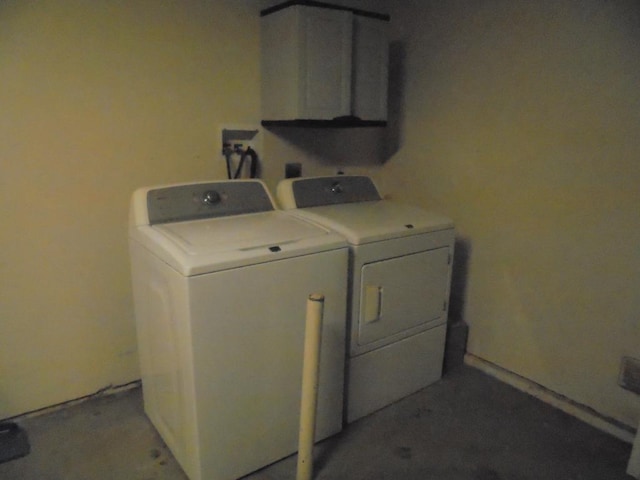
{"x":14,"y":442}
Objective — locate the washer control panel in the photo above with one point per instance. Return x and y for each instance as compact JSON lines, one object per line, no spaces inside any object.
{"x":207,"y":200}
{"x":211,"y":197}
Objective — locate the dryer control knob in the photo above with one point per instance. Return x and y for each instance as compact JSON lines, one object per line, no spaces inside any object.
{"x":210,"y":197}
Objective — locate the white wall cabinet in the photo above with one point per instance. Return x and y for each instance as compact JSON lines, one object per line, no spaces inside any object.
{"x":323,"y":64}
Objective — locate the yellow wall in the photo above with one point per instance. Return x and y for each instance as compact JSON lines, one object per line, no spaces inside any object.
{"x":96,"y":99}
{"x":519,"y":121}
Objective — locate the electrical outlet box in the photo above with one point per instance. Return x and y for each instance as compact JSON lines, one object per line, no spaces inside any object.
{"x":241,"y":135}
{"x":292,"y":170}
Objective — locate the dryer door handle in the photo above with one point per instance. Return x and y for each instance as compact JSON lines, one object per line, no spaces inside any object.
{"x":372,"y":303}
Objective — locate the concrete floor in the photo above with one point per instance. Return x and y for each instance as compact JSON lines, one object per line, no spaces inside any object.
{"x":468,"y":426}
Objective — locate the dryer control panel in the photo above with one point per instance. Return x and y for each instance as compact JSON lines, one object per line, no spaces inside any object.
{"x":320,"y":191}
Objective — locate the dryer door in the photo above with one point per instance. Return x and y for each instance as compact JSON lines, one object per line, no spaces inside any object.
{"x":401,"y":296}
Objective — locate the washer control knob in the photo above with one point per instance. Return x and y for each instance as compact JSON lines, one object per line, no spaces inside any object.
{"x":210,"y":197}
{"x":336,"y":188}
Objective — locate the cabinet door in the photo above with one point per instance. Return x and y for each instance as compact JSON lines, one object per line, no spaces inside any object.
{"x":325,"y":88}
{"x":370,"y":68}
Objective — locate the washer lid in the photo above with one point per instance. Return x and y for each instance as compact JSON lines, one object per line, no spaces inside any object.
{"x":240,"y":232}
{"x":201,"y":246}
{"x":366,"y":222}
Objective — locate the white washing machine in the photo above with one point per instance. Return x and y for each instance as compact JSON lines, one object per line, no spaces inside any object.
{"x":399,"y":279}
{"x":221,"y":280}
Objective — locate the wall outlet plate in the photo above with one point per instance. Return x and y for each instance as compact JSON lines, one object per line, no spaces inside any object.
{"x":292,"y":170}
{"x":629,"y":377}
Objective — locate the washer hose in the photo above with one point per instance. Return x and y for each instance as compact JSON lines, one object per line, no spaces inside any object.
{"x":249,"y":152}
{"x":253,"y":167}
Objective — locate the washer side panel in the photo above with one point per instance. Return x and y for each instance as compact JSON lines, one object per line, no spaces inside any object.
{"x":166,"y":360}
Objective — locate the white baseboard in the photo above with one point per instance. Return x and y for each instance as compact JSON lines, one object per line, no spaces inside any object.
{"x":582,"y":412}
{"x":108,"y":390}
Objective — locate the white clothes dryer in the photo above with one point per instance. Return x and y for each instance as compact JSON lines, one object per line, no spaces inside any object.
{"x":220,"y":281}
{"x":399,"y":280}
